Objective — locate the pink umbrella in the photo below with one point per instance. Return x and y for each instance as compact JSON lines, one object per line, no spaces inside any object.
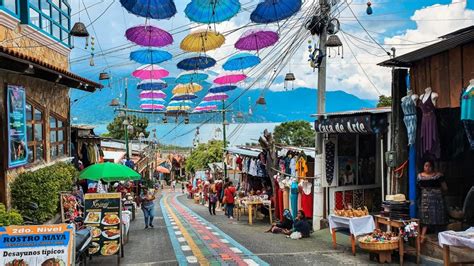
{"x":150,"y":72}
{"x":149,"y":36}
{"x":216,"y":97}
{"x":230,"y":78}
{"x":253,"y":40}
{"x":205,"y":108}
{"x":149,"y":106}
{"x":152,"y":95}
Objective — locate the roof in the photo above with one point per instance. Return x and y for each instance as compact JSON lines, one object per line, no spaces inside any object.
{"x":114,"y":156}
{"x":380,"y":110}
{"x":450,"y":41}
{"x":14,"y":61}
{"x":244,"y":151}
{"x":83,"y":127}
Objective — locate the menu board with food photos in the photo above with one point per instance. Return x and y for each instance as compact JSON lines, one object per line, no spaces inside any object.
{"x":103,"y":216}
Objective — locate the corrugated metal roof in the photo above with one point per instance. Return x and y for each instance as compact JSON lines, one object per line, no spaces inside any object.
{"x":451,"y":40}
{"x":245,"y":152}
{"x":380,"y":110}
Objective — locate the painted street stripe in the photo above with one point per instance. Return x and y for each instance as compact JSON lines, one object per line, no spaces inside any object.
{"x":182,"y":260}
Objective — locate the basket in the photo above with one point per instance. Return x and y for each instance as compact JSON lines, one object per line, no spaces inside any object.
{"x":379,"y":246}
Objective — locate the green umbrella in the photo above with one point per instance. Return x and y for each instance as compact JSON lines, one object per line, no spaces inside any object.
{"x":109,"y":172}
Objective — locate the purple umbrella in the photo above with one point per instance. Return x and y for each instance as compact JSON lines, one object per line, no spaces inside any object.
{"x":149,"y":36}
{"x":253,"y":40}
{"x":152,"y":94}
{"x":216,"y":97}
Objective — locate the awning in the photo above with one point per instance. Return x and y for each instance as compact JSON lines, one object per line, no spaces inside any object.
{"x":356,"y":124}
{"x":245,"y":152}
{"x":14,"y":61}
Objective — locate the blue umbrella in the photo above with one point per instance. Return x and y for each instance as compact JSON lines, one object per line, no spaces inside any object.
{"x":180,"y":97}
{"x":152,"y":84}
{"x":196,"y":63}
{"x":270,"y":11}
{"x":152,"y":101}
{"x":211,"y":103}
{"x":156,"y":9}
{"x":211,"y":11}
{"x":222,"y":88}
{"x":241,"y":61}
{"x":191,"y":77}
{"x":180,"y":103}
{"x":150,"y":56}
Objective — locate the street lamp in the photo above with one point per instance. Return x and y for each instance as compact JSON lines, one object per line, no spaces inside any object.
{"x":141,"y":137}
{"x":126,"y":125}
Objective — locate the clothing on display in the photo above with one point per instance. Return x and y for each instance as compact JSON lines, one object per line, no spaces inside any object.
{"x":301,"y":167}
{"x":286,"y":198}
{"x":330,"y":150}
{"x":294,"y":198}
{"x":339,"y":200}
{"x":293,"y":166}
{"x":430,"y":146}
{"x":409,"y":110}
{"x":467,"y":113}
{"x":307,"y":198}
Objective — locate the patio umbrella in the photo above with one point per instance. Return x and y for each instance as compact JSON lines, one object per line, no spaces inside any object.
{"x":179,"y":103}
{"x":230,"y":78}
{"x":147,"y":72}
{"x":187,"y":88}
{"x":152,"y":84}
{"x":152,"y":107}
{"x":216,"y":97}
{"x":152,"y":95}
{"x":162,"y":170}
{"x":149,"y":36}
{"x":184,"y":96}
{"x":211,"y":11}
{"x":196,"y":63}
{"x":270,"y":11}
{"x":241,"y":61}
{"x":156,"y":9}
{"x":224,"y":88}
{"x":150,"y":56}
{"x":255,"y":40}
{"x":191,"y":77}
{"x":202,"y":41}
{"x":109,"y":172}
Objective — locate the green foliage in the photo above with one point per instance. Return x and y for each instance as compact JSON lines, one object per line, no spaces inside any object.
{"x":117,"y":129}
{"x":11,"y":217}
{"x":384,"y":101}
{"x":204,"y":154}
{"x":295,"y":133}
{"x":42,"y":187}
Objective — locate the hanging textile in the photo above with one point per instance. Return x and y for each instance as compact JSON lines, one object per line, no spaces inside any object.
{"x":467,"y":114}
{"x":307,"y":198}
{"x":430,"y":146}
{"x":409,"y":110}
{"x":301,"y":167}
{"x":294,"y":198}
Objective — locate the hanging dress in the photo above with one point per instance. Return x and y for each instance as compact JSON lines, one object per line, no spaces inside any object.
{"x":276,"y":199}
{"x":286,"y":196}
{"x":307,"y":199}
{"x":430,"y":146}
{"x":467,"y":114}
{"x":294,"y":198}
{"x":409,"y":110}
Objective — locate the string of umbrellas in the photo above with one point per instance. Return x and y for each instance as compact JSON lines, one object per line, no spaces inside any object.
{"x":154,"y":40}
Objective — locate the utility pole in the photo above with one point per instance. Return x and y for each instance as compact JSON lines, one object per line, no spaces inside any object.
{"x":126,"y":126}
{"x":319,"y":202}
{"x":224,"y":137}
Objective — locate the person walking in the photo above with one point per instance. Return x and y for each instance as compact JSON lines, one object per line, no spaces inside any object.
{"x":213,"y":198}
{"x":173,"y":186}
{"x":229,"y":194}
{"x":182,"y":187}
{"x":148,"y":206}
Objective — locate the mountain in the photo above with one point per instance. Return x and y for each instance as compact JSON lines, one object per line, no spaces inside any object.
{"x":297,"y":104}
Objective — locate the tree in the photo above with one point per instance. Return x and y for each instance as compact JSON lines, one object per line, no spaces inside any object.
{"x":204,"y":154}
{"x":117,"y":129}
{"x":384,"y":101}
{"x":295,"y":133}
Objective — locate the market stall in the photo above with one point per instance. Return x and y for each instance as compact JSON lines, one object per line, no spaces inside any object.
{"x":463,"y":239}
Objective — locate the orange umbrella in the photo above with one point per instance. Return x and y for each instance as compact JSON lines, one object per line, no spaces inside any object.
{"x":162,"y":170}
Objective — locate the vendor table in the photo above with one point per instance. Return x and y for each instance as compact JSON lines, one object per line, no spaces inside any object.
{"x":125,"y":226}
{"x":357,"y":226}
{"x":464,"y":239}
{"x":379,"y":220}
{"x":253,"y":205}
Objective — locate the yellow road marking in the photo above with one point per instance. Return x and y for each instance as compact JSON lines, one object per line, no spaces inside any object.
{"x":194,"y":248}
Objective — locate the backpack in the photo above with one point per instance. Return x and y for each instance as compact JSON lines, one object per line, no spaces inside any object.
{"x":213,"y":198}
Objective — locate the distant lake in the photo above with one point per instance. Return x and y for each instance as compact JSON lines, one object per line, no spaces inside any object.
{"x":183,"y":135}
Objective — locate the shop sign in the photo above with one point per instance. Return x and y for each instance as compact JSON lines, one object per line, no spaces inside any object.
{"x":37,"y":245}
{"x":17,"y":142}
{"x":103,"y":215}
{"x":354,"y":124}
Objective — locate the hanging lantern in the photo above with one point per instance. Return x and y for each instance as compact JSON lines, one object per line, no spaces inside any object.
{"x":289,"y":77}
{"x":369,"y":8}
{"x":334,"y":42}
{"x":261,"y":100}
{"x":165,"y":120}
{"x":186,"y":120}
{"x":91,"y":63}
{"x":115,"y":102}
{"x":240,"y":115}
{"x":104,"y":76}
{"x":79,"y":30}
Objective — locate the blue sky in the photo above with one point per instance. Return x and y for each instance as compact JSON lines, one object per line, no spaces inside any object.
{"x":404,"y":24}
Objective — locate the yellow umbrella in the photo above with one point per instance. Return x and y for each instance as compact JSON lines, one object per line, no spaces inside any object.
{"x":178,"y":108}
{"x":202,"y":41}
{"x":187,"y":88}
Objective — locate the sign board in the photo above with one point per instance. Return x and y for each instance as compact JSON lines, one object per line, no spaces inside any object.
{"x":37,"y":245}
{"x":16,"y":115}
{"x":103,"y":215}
{"x":345,"y":124}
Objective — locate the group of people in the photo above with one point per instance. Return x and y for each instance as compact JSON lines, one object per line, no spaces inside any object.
{"x":222,"y":194}
{"x":294,"y":228}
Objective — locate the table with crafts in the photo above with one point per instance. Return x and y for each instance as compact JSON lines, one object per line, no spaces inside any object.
{"x":357,"y":226}
{"x":252,"y":207}
{"x":463,"y":239}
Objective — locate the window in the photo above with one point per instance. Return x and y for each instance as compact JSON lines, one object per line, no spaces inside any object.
{"x":52,"y":17}
{"x":12,"y":6}
{"x":57,"y":136}
{"x":35,"y":133}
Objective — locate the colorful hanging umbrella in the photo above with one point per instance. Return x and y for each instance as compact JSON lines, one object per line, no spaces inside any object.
{"x":216,"y":97}
{"x":150,"y":56}
{"x":152,"y":95}
{"x":270,"y":11}
{"x":148,"y":72}
{"x":156,"y":9}
{"x":255,"y":40}
{"x":241,"y":61}
{"x":181,"y":96}
{"x":196,"y":63}
{"x":152,"y":84}
{"x":152,"y":107}
{"x":191,"y":77}
{"x":208,"y":103}
{"x":202,"y":41}
{"x":178,"y":108}
{"x":222,"y":89}
{"x":152,"y":101}
{"x":205,"y":108}
{"x":109,"y":172}
{"x":230,"y":78}
{"x":187,"y":88}
{"x":149,"y":36}
{"x":211,"y":11}
{"x":180,"y":103}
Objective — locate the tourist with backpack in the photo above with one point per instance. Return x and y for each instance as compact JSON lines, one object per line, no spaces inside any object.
{"x":213,"y":198}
